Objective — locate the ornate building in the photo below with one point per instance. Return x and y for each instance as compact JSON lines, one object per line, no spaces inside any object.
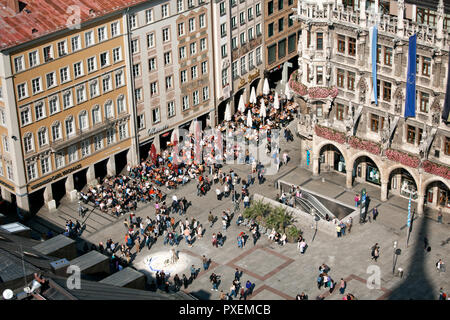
{"x":342,"y":127}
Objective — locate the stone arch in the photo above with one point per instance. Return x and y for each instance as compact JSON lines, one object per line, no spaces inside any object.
{"x":351,"y":164}
{"x":318,"y":148}
{"x":426,"y":183}
{"x":332,"y":162}
{"x":390,"y":169}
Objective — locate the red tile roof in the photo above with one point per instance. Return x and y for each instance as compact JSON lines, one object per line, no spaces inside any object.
{"x":48,"y":16}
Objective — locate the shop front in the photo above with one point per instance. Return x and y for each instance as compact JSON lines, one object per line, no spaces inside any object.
{"x":408,"y":186}
{"x":373,"y":174}
{"x":339,"y":162}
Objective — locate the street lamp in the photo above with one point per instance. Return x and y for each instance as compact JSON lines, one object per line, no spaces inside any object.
{"x":397,"y":252}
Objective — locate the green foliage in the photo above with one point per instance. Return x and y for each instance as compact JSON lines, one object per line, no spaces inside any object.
{"x":273,"y":217}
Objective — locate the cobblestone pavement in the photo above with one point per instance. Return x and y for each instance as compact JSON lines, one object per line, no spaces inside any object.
{"x":282,"y":272}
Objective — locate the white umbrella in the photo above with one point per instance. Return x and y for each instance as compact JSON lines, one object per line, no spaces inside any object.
{"x":241,"y":106}
{"x":228,"y":112}
{"x":276,"y":102}
{"x":262,"y":111}
{"x":287,"y":92}
{"x":266,"y":88}
{"x":249,"y":119}
{"x":253,"y":96}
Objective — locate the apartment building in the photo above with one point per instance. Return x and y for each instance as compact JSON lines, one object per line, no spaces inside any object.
{"x":281,"y":34}
{"x":343,"y":129}
{"x":66,"y":111}
{"x":172,"y":68}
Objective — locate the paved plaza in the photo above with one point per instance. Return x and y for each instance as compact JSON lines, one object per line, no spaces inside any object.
{"x":282,"y":272}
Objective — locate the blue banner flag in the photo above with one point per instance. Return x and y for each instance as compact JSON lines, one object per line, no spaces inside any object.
{"x":409,"y":212}
{"x":410,"y":101}
{"x":446,"y":111}
{"x":373,"y":32}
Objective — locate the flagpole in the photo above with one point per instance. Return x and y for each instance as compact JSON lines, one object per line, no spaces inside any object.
{"x":409,"y":221}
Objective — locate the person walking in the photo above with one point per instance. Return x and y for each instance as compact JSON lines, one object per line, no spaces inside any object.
{"x":237,"y":274}
{"x":205,"y":262}
{"x":442,"y":294}
{"x":440,"y":266}
{"x":374,"y":214}
{"x":319,"y":281}
{"x":215,"y":282}
{"x":338,"y":231}
{"x":357,"y":200}
{"x":193,"y":273}
{"x":185,"y":281}
{"x":342,"y":286}
{"x":233,"y":291}
{"x":211,"y":219}
{"x":375,"y":252}
{"x":439,"y":216}
{"x":349,"y":224}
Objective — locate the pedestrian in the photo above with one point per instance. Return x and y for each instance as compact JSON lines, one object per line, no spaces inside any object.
{"x":331,"y":284}
{"x":338,"y":230}
{"x":205,"y":263}
{"x":211,"y":219}
{"x":439,"y":217}
{"x":242,"y":294}
{"x":214,"y":240}
{"x":249,"y":288}
{"x":193,"y":272}
{"x":374,"y":213}
{"x":233,"y":290}
{"x":177,"y":281}
{"x":356,"y":200}
{"x":349,"y":224}
{"x":440,"y":266}
{"x":185,"y":281}
{"x":442,"y":294}
{"x":237,"y":275}
{"x":214,"y":280}
{"x":375,"y":252}
{"x":319,"y":281}
{"x":342,"y":286}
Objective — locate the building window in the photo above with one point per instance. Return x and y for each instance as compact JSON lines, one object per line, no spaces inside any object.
{"x":290,"y":21}
{"x":270,"y":30}
{"x":119,"y":78}
{"x":18,"y":64}
{"x":258,"y":29}
{"x":121,"y":105}
{"x":204,"y":67}
{"x":341,"y":44}
{"x":25,"y":116}
{"x":96,"y":115}
{"x":242,"y":18}
{"x":136,"y":70}
{"x":179,"y":5}
{"x":51,"y":79}
{"x":411,"y":134}
{"x":153,"y":88}
{"x":78,"y":69}
{"x":134,"y":46}
{"x":149,"y":15}
{"x":165,"y":34}
{"x":205,"y":93}
{"x":426,"y":66}
{"x":83,"y":120}
{"x":340,"y":78}
{"x":85,"y":148}
{"x":109,"y":110}
{"x":424,"y":101}
{"x":271,"y":54}
{"x":22,"y":91}
{"x":374,"y":122}
{"x":250,"y":14}
{"x":53,"y":104}
{"x":340,"y":112}
{"x":319,"y":41}
{"x":280,"y":25}
{"x":223,"y":50}
{"x":251,"y":63}
{"x":203,"y":44}
{"x":352,"y":46}
{"x":191,"y":24}
{"x":388,"y":56}
{"x":258,"y":9}
{"x":76,"y":43}
{"x":195,"y":98}
{"x":70,"y":128}
{"x":242,"y":37}
{"x":181,"y":29}
{"x":138,"y":94}
{"x":233,"y":23}
{"x":133,"y":21}
{"x":62,"y":48}
{"x":167,"y":58}
{"x":93,"y":88}
{"x":319,"y":74}
{"x":183,"y":76}
{"x":222,"y":8}
{"x":45,"y":165}
{"x":81,"y":94}
{"x":104,"y":59}
{"x":234,"y":70}
{"x":282,"y":49}
{"x":91,"y":64}
{"x":447,"y":146}
{"x":141,"y":121}
{"x":170,"y":109}
{"x":201,"y":20}
{"x":223,"y":30}
{"x":115,"y":29}
{"x":106,"y":82}
{"x":150,"y":40}
{"x":28,"y":143}
{"x":39,"y":111}
{"x":233,"y":43}
{"x":243,"y":66}
{"x":351,"y":81}
{"x":56,"y":131}
{"x":101,"y":32}
{"x":48,"y":53}
{"x":168,"y":82}
{"x":89,"y":38}
{"x":33,"y":58}
{"x":155,"y":115}
{"x":60,"y":160}
{"x":36,"y":85}
{"x":6,"y":144}
{"x":31,"y":171}
{"x":98,"y":142}
{"x":185,"y":103}
{"x":280,"y":4}
{"x":387,"y":91}
{"x":152,"y":64}
{"x":193,"y":48}
{"x":270,"y":8}
{"x":110,"y":136}
{"x":193,"y":72}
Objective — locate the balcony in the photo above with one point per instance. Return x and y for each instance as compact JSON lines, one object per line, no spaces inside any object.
{"x":81,"y":135}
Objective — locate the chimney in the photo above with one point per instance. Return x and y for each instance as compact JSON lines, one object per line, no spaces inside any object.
{"x":13,"y":5}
